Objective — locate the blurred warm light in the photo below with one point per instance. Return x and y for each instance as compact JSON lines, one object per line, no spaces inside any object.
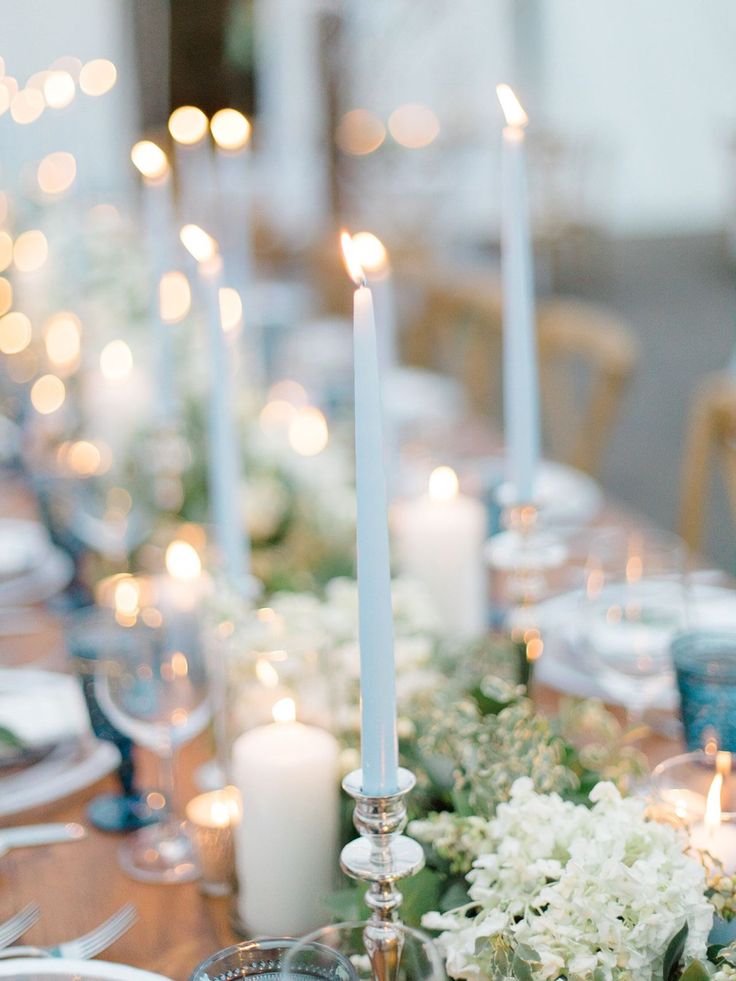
{"x":84,"y":458}
{"x":230,"y":129}
{"x":276,"y":416}
{"x":290,"y":391}
{"x":150,"y":160}
{"x":37,"y":81}
{"x":58,"y":89}
{"x":360,"y":132}
{"x":512,"y":108}
{"x":27,"y":106}
{"x":67,"y":63}
{"x":62,"y":337}
{"x":351,"y":259}
{"x":6,"y":295}
{"x":231,"y":308}
{"x":371,"y":252}
{"x":6,"y":250}
{"x":10,"y":84}
{"x":126,"y":596}
{"x":3,"y":207}
{"x":174,"y":296}
{"x":30,"y":251}
{"x":308,"y":433}
{"x":116,"y":362}
{"x":266,"y":673}
{"x":284,"y":710}
{"x":187,"y":125}
{"x":4,"y":99}
{"x":443,"y":484}
{"x":56,"y":172}
{"x":97,"y":77}
{"x":15,"y":333}
{"x":198,"y":243}
{"x":182,"y":561}
{"x":47,"y":394}
{"x":414,"y":126}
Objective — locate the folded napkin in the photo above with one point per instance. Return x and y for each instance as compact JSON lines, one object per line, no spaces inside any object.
{"x":41,"y":707}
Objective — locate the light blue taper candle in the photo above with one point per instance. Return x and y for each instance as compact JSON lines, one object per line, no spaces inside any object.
{"x":379,"y":745}
{"x":520,"y":376}
{"x":223,"y":448}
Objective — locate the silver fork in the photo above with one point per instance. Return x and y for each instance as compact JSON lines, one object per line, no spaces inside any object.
{"x":17,"y":925}
{"x":86,"y":946}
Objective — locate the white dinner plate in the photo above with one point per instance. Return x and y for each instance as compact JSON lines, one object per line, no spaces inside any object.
{"x":38,"y":582}
{"x":565,"y":667}
{"x":41,"y":968}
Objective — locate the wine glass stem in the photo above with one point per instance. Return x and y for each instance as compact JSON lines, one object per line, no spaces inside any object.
{"x":167,"y":777}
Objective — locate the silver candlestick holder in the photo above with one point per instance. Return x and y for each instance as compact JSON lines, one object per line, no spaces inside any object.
{"x":381,"y":857}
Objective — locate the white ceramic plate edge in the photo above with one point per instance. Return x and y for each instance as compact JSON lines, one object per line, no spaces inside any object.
{"x":30,"y":967}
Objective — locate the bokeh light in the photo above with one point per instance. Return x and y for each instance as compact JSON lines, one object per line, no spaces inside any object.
{"x":308,"y":432}
{"x":116,"y":362}
{"x":6,"y":250}
{"x":27,"y":106}
{"x":198,"y":243}
{"x":182,"y":561}
{"x":58,"y":89}
{"x":56,"y":172}
{"x":62,"y":337}
{"x":188,"y":125}
{"x":30,"y":251}
{"x":97,"y":77}
{"x":150,"y":160}
{"x":4,"y":99}
{"x":230,"y":129}
{"x":360,"y":132}
{"x":84,"y":458}
{"x":231,"y":308}
{"x":47,"y":394}
{"x":23,"y":367}
{"x":15,"y":332}
{"x":414,"y":126}
{"x":67,"y":63}
{"x":175,"y":296}
{"x":6,"y":295}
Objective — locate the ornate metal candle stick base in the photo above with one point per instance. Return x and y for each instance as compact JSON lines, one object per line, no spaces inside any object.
{"x":382,"y":856}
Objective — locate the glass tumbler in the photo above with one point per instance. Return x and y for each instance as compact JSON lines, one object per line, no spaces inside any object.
{"x":705,"y":664}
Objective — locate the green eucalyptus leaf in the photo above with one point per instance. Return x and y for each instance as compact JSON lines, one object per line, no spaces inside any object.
{"x":674,"y":952}
{"x":456,"y":895}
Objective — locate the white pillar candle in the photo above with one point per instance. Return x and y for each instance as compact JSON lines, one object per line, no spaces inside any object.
{"x":286,"y":843}
{"x":439,"y":539}
{"x":520,"y":381}
{"x":158,"y":217}
{"x":712,"y":834}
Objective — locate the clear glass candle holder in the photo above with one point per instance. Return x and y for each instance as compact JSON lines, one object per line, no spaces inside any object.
{"x":681,"y":784}
{"x":266,"y":959}
{"x":705,"y":664}
{"x":211,"y":818}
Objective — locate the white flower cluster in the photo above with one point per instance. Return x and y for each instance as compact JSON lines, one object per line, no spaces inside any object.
{"x":585,"y":894}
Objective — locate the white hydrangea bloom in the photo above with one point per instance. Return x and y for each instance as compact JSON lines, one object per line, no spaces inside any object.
{"x":596,"y":893}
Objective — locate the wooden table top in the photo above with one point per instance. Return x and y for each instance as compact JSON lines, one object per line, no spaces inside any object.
{"x":77,"y":885}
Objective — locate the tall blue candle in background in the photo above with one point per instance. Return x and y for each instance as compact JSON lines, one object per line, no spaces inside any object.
{"x":379,"y":747}
{"x":520,"y":375}
{"x":223,"y":449}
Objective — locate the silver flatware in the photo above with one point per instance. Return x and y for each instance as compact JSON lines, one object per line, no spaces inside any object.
{"x":40,"y":834}
{"x":17,"y":925}
{"x":88,"y":945}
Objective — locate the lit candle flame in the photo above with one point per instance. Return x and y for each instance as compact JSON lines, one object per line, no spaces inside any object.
{"x":198,"y":243}
{"x":351,"y":260}
{"x":713,"y":805}
{"x":443,"y":484}
{"x":371,"y":251}
{"x":284,"y":710}
{"x":512,"y":108}
{"x":150,"y":160}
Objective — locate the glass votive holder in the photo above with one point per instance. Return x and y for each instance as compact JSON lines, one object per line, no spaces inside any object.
{"x":211,"y":818}
{"x":266,"y":959}
{"x":681,"y":784}
{"x":705,"y":663}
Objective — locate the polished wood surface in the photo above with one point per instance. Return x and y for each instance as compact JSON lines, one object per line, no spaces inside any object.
{"x":79,"y":884}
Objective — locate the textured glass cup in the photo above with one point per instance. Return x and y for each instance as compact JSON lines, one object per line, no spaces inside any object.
{"x":266,"y":959}
{"x":705,"y":663}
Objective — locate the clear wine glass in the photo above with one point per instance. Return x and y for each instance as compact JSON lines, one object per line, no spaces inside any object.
{"x":635,"y":600}
{"x":154,"y":690}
